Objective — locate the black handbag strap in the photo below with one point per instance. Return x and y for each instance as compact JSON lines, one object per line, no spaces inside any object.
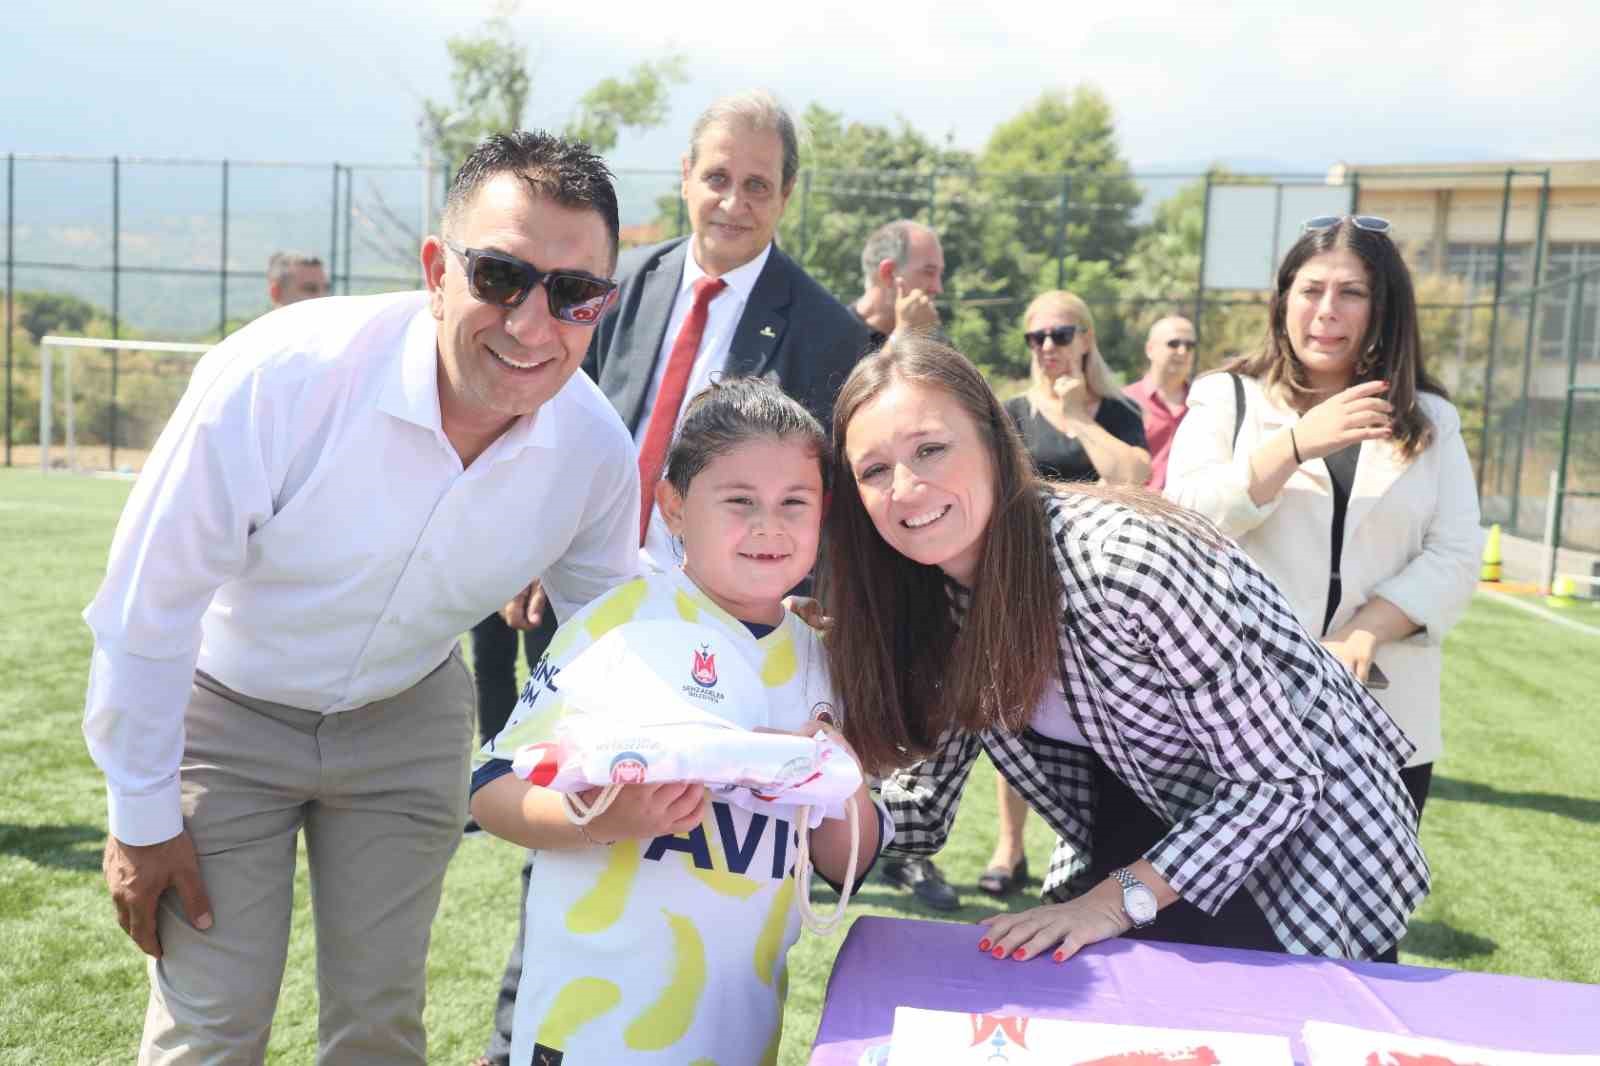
{"x":1238,"y":406}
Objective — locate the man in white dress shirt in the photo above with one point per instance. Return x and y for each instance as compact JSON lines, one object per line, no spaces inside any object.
{"x":348,"y":485}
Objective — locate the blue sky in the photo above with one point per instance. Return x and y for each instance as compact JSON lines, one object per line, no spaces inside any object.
{"x":1365,"y":82}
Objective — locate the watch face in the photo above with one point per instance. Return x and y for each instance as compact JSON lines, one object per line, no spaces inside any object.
{"x":1140,"y":903}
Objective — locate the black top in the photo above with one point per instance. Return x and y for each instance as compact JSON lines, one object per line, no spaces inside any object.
{"x":1059,"y":456}
{"x":1342,"y":472}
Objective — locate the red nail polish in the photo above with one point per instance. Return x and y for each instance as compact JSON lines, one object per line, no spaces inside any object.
{"x":1021,"y":954}
{"x":999,"y":953}
{"x":984,"y":944}
{"x":1060,"y":956}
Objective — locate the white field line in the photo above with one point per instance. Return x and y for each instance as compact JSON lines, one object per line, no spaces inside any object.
{"x":1542,"y":612}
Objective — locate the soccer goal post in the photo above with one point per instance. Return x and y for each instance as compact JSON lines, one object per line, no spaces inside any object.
{"x":52,"y":391}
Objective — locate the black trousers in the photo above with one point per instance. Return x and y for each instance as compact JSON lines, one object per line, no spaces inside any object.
{"x":1124,"y":829}
{"x":494,"y":666}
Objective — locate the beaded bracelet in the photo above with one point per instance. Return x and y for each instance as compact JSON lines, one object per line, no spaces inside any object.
{"x":596,"y":843}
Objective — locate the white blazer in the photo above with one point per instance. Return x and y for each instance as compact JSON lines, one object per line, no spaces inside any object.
{"x":1411,"y":532}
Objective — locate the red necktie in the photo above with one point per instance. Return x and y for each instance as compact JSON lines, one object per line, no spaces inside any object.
{"x":674,"y":382}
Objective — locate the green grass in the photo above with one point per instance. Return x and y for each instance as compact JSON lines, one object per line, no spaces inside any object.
{"x":1512,"y":828}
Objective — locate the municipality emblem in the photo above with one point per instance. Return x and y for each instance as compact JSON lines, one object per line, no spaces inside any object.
{"x":704,"y":670}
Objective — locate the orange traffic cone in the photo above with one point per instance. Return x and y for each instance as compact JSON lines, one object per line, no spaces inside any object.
{"x":1491,"y":556}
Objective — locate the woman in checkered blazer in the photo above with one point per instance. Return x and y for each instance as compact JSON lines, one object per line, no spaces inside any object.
{"x":1212,"y":774}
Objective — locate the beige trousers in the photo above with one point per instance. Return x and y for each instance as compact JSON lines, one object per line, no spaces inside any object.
{"x":381,"y":793}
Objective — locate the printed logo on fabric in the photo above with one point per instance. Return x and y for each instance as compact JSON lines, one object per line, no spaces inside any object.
{"x":628,"y":768}
{"x":704,"y":670}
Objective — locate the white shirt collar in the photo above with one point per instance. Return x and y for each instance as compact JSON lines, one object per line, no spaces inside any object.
{"x":741,"y":280}
{"x":412,"y":395}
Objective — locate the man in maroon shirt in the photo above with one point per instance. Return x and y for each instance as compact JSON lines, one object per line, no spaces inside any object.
{"x":1163,"y":393}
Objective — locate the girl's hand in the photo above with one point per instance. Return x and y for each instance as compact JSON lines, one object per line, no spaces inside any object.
{"x":1066,"y":927}
{"x":1355,"y":649}
{"x":644,"y":812}
{"x":1358,"y":413}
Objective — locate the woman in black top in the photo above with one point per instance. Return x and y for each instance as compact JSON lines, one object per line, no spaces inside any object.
{"x":1076,"y":426}
{"x":1073,"y":419}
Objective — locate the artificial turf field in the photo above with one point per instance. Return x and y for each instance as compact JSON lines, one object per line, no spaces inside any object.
{"x":1512,"y":827}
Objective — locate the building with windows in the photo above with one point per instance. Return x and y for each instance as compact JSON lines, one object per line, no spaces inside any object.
{"x":1452,"y":219}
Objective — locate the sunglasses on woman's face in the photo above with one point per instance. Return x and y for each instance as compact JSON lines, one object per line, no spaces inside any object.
{"x":1060,"y":335}
{"x":505,"y":281}
{"x":1370,"y":223}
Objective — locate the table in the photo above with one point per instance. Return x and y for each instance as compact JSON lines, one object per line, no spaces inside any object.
{"x":890,"y":962}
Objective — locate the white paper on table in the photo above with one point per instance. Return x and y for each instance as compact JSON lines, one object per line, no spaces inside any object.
{"x":952,"y":1038}
{"x":656,"y":701}
{"x":1330,"y":1044}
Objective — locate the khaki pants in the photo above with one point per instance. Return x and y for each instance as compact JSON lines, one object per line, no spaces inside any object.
{"x":381,"y":792}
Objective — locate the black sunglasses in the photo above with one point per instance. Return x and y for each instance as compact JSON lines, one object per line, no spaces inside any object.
{"x":1370,"y":223}
{"x":505,"y":281}
{"x":1061,"y":335}
{"x":1177,"y":342}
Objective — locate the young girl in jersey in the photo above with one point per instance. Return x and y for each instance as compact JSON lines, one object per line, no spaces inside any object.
{"x":657,"y":932}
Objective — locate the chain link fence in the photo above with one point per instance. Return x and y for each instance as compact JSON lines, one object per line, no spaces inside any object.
{"x":176,"y":249}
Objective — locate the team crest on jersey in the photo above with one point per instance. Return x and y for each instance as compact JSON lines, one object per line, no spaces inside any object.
{"x":628,"y":768}
{"x":704,"y":670}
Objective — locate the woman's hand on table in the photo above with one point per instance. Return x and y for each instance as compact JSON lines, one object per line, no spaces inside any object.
{"x":1060,"y":928}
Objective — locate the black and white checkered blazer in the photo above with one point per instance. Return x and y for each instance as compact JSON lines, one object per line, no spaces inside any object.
{"x":1189,"y":675}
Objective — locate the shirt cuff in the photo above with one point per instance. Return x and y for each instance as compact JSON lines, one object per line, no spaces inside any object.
{"x":146,"y":817}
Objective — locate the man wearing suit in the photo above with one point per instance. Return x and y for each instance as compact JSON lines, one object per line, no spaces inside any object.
{"x":725,"y":301}
{"x":760,"y":313}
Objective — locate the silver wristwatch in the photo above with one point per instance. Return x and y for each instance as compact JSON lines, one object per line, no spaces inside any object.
{"x":1138,"y":902}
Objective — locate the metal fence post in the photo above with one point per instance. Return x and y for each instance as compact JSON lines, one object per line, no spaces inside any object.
{"x":1494,"y":340}
{"x":116,"y":291}
{"x":1200,"y":281}
{"x":1530,"y":339}
{"x":349,"y":217}
{"x":11,"y":205}
{"x":222,"y":287}
{"x":333,"y":235}
{"x":1061,"y":232}
{"x":805,"y":215}
{"x":1574,"y":318}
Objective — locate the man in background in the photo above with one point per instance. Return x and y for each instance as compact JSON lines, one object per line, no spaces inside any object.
{"x":295,"y":276}
{"x":1163,"y":392}
{"x":902,"y":268}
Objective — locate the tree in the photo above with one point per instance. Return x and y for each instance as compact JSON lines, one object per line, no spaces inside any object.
{"x":638,"y":102}
{"x":489,"y":75}
{"x":43,"y":313}
{"x":1065,"y":146}
{"x":489,"y":72}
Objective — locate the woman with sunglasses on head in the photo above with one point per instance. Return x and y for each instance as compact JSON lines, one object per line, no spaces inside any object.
{"x":1336,"y":461}
{"x":1076,"y":426}
{"x":1113,"y":654}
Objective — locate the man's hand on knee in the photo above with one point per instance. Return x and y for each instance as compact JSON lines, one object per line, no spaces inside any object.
{"x":137,"y":875}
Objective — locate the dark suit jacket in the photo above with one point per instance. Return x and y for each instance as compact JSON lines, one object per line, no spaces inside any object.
{"x":792,"y":331}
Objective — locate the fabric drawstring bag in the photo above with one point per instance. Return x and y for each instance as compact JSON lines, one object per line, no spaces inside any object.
{"x":658,"y":701}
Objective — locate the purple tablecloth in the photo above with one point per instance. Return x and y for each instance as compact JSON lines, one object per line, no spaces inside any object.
{"x":890,"y":962}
